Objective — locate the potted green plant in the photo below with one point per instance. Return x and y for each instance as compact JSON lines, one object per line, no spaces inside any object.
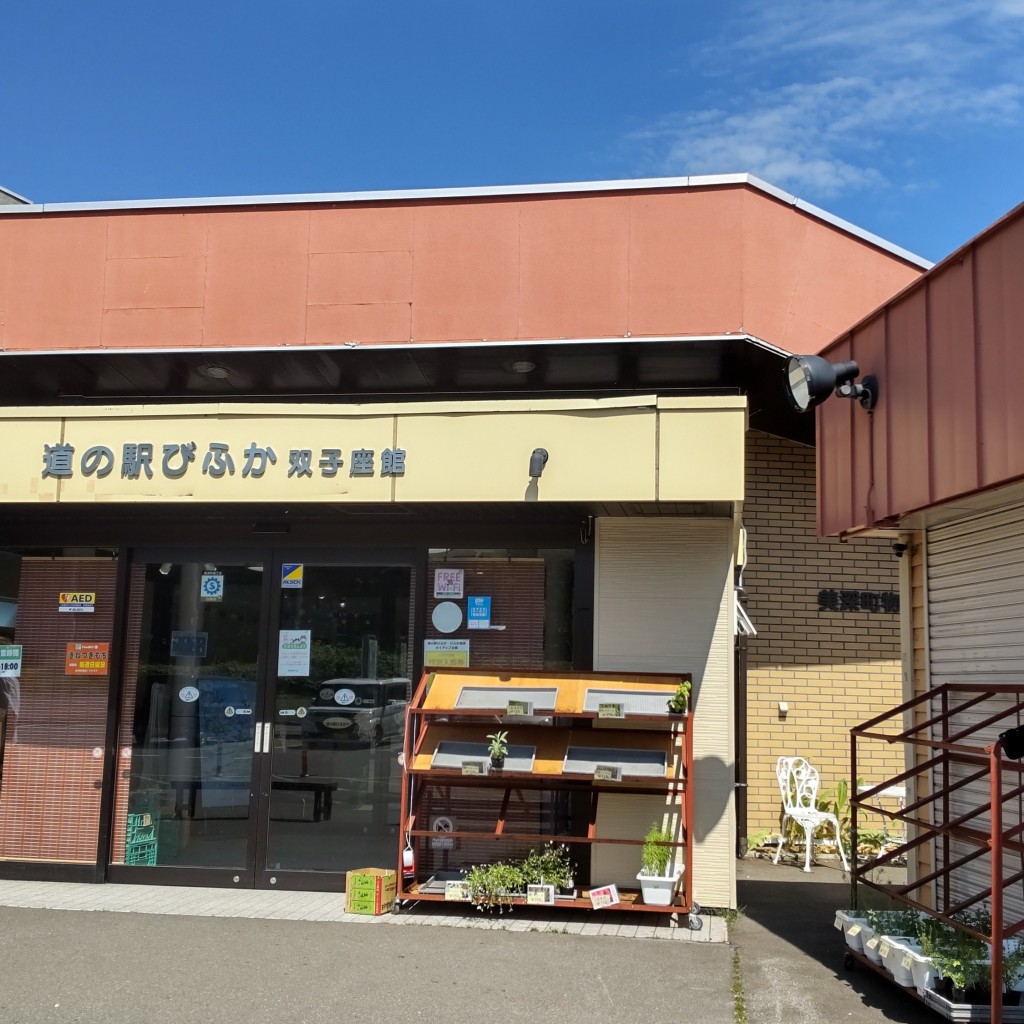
{"x":498,"y":748}
{"x":656,"y":877}
{"x":679,"y":702}
{"x":550,"y":865}
{"x":495,"y":886}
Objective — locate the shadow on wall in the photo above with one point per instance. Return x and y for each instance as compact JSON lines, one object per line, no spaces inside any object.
{"x":714,"y":780}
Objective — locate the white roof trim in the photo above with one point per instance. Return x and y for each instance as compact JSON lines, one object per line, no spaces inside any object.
{"x":15,"y":196}
{"x":475,"y":192}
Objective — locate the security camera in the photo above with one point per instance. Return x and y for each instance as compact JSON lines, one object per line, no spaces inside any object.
{"x":898,"y":548}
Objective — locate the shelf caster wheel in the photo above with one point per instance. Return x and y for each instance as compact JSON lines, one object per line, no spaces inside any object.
{"x":695,"y":922}
{"x":848,"y":961}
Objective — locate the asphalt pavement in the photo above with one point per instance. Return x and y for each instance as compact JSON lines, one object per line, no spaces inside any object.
{"x":100,"y":967}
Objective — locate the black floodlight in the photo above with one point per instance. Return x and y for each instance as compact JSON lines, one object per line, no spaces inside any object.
{"x":1013,"y":743}
{"x":811,"y":379}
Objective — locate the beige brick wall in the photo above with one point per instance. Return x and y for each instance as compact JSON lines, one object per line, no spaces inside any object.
{"x":833,"y":669}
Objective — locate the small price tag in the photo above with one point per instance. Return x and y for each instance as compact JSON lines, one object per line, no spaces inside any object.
{"x":610,"y":711}
{"x":855,"y":930}
{"x":872,"y":943}
{"x":883,"y":949}
{"x":907,"y":962}
{"x":457,"y":892}
{"x":472,"y":768}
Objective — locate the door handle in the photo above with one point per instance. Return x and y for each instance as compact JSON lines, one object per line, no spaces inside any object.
{"x":256,"y":741}
{"x":266,"y":737}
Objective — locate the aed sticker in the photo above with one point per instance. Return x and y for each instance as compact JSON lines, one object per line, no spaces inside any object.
{"x":300,"y":712}
{"x":291,"y":576}
{"x":188,"y":694}
{"x":76,"y":601}
{"x":229,"y":712}
{"x":344,"y":697}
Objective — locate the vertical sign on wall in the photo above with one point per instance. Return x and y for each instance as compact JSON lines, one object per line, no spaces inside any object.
{"x":478,"y":613}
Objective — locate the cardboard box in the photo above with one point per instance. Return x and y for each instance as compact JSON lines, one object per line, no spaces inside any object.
{"x":370,"y":890}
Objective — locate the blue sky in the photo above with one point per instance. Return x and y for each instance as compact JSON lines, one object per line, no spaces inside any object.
{"x":903,"y":117}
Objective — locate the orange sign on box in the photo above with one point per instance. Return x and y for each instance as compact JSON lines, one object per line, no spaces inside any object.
{"x":87,"y":659}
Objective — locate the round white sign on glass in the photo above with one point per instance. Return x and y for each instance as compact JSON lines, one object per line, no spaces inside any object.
{"x":446,"y":617}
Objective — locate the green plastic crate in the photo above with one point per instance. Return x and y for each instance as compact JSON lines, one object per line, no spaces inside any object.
{"x":143,"y":853}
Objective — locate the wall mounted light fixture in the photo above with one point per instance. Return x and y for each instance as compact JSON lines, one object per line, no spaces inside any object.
{"x":812,"y":379}
{"x":538,"y":460}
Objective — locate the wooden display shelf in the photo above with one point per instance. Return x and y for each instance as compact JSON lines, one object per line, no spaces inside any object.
{"x":628,"y":900}
{"x":550,"y":746}
{"x":453,"y":820}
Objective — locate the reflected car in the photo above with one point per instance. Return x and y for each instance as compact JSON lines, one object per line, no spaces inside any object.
{"x":359,"y":711}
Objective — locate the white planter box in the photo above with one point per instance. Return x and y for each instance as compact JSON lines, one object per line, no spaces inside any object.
{"x":658,"y":890}
{"x":872,"y":944}
{"x":852,"y":928}
{"x":922,"y":970}
{"x":895,"y":950}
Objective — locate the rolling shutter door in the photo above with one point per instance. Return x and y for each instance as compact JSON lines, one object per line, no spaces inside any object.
{"x":975,"y":601}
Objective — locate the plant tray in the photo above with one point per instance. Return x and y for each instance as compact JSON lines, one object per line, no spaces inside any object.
{"x":634,"y":702}
{"x":451,"y":754}
{"x":970,"y":1012}
{"x":436,"y":883}
{"x":648,"y":764}
{"x":496,"y":698}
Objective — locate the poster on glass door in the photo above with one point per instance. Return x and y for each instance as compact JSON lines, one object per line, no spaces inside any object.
{"x":293,"y":647}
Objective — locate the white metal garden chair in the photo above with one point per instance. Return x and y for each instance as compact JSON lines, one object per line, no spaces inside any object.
{"x":798,"y":783}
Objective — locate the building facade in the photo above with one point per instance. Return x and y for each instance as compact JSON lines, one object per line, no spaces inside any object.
{"x":249,"y":443}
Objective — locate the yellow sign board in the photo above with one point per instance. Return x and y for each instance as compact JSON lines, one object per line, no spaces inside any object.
{"x":446,"y":653}
{"x":76,"y":601}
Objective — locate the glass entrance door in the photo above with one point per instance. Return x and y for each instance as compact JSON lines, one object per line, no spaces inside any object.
{"x":341,"y":671}
{"x":189,"y":712}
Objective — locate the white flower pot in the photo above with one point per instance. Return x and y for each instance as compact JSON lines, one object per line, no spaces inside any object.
{"x":658,"y":890}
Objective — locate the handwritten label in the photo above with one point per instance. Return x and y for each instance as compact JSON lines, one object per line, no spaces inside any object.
{"x":472,"y":768}
{"x":457,"y":892}
{"x":540,"y":895}
{"x":610,"y":711}
{"x":519,"y":707}
{"x":607,"y":773}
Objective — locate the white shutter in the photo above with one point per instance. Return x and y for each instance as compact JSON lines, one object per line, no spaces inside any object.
{"x":663,"y":603}
{"x":975,"y":602}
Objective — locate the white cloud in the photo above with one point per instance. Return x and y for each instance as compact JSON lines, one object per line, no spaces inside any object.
{"x":817,"y":95}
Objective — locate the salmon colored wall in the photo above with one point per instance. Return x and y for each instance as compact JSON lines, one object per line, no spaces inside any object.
{"x":645,"y":263}
{"x":948,"y":359}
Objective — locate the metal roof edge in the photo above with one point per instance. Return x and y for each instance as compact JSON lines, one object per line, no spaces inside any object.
{"x":213,"y":352}
{"x":479,"y":192}
{"x":14,"y":195}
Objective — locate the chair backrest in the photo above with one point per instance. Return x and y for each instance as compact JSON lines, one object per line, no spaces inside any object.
{"x":798,"y":783}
